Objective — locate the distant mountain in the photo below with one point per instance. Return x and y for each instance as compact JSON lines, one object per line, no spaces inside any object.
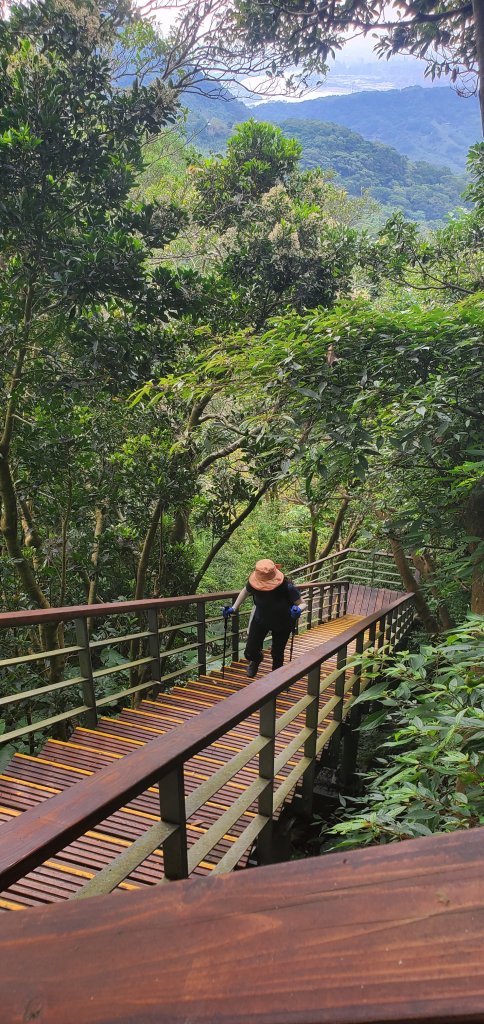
{"x":435,"y":125}
{"x":422,"y":191}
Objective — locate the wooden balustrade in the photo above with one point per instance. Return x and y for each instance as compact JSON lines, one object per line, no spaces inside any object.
{"x":43,"y":831}
{"x":198,"y":625}
{"x":386,"y":935}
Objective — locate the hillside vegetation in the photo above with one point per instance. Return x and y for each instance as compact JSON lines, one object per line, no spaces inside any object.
{"x":421,"y":191}
{"x":363,"y":138}
{"x":435,"y":125}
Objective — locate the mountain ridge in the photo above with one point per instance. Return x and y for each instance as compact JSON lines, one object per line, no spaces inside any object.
{"x":435,"y":124}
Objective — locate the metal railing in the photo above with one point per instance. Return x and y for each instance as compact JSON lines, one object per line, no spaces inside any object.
{"x":358,"y":565}
{"x":27,"y":842}
{"x":107,"y":653}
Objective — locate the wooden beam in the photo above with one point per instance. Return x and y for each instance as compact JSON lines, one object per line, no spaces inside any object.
{"x":389,"y":934}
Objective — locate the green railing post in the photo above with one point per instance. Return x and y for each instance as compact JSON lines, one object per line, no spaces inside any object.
{"x":201,"y":638}
{"x":267,"y":729}
{"x":312,"y":712}
{"x":172,"y":811}
{"x":85,"y":665}
{"x":154,"y":644}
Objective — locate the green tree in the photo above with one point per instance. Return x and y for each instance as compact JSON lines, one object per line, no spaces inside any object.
{"x":72,"y":245}
{"x":279,"y":240}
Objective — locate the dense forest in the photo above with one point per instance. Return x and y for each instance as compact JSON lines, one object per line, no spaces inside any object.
{"x":208,"y":358}
{"x":421,"y":191}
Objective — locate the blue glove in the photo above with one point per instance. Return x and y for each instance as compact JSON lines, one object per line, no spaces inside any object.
{"x":227,"y":610}
{"x":295,"y":612}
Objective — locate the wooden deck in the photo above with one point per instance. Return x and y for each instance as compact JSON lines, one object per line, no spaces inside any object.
{"x":29,"y":781}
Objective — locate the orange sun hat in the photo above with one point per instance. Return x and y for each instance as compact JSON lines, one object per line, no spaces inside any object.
{"x":266,"y":575}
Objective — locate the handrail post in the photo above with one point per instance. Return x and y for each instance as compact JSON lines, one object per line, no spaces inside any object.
{"x":235,"y":627}
{"x":389,"y":632}
{"x":85,"y":665}
{"x":349,"y":754}
{"x":373,"y":559}
{"x":330,"y":602}
{"x":267,"y":729}
{"x":339,"y":690}
{"x":338,"y":599}
{"x":154,"y":644}
{"x":312,"y":713}
{"x":172,"y":810}
{"x":322,"y":591}
{"x":310,"y":609}
{"x":201,"y":638}
{"x":346,"y":589}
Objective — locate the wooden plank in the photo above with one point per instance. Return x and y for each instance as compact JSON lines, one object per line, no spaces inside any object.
{"x":378,"y":935}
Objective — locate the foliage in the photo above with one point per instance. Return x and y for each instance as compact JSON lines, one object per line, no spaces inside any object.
{"x":421,"y":191}
{"x":280,"y":242}
{"x":258,"y":158}
{"x":429,"y":775}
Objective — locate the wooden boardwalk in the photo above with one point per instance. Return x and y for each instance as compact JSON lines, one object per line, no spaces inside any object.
{"x":31,"y":780}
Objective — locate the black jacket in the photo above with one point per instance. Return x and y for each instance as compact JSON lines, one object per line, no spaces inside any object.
{"x":272,"y":607}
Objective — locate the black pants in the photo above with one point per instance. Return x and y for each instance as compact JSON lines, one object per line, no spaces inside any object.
{"x":255,"y":639}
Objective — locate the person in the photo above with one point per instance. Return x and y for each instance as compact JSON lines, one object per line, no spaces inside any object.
{"x":277,"y":608}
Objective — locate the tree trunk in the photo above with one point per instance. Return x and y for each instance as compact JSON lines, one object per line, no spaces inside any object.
{"x":426,"y":566}
{"x":146,"y":551}
{"x":335,"y":532}
{"x":141,"y":573}
{"x":474,"y":522}
{"x":9,"y":528}
{"x":313,"y":537}
{"x":410,"y":584}
{"x":352,"y":532}
{"x":179,"y":529}
{"x":229,"y":531}
{"x":478,"y":9}
{"x":92,"y":577}
{"x":64,"y":529}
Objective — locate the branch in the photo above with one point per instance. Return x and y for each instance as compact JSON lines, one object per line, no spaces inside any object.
{"x":229,"y":531}
{"x":220,"y":454}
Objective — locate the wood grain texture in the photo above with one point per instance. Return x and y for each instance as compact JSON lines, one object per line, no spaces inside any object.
{"x":392,"y":934}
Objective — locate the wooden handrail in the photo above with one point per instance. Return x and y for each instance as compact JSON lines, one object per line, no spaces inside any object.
{"x":39,"y":616}
{"x":46,"y":829}
{"x":389,"y":934}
